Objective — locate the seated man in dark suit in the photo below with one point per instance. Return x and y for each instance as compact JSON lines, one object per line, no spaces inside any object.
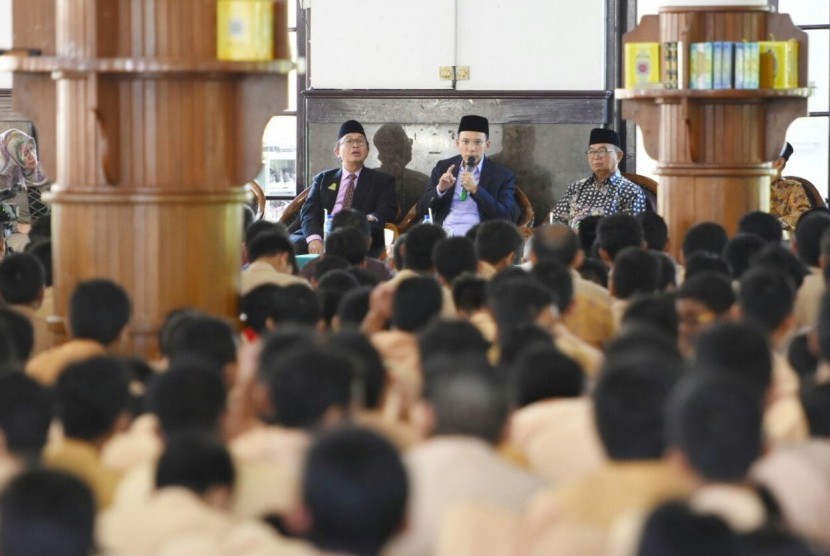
{"x":481,"y":189}
{"x":350,"y":186}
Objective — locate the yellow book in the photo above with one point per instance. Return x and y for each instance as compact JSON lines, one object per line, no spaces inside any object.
{"x":642,"y":65}
{"x":245,"y":30}
{"x":779,"y":64}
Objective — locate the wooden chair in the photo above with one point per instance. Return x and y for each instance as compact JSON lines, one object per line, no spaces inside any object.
{"x":258,"y":195}
{"x":649,"y":187}
{"x":816,"y":200}
{"x":292,"y":211}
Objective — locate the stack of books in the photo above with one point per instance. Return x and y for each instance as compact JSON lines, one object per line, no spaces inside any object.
{"x":712,"y":65}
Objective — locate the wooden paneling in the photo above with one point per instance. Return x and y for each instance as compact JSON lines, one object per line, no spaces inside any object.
{"x":714,"y":147}
{"x":153,"y":138}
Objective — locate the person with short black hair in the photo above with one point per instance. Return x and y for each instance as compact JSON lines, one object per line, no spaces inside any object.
{"x":189,"y":510}
{"x":47,"y":512}
{"x":553,"y":412}
{"x":20,"y":337}
{"x":498,"y":245}
{"x":653,"y":310}
{"x":296,"y":304}
{"x":417,"y":303}
{"x":91,"y":400}
{"x":468,"y":409}
{"x":348,"y":243}
{"x":419,"y":244}
{"x":718,"y":457}
{"x":702,"y":300}
{"x":606,"y":192}
{"x":353,"y":220}
{"x":352,"y":309}
{"x":674,"y":529}
{"x":207,"y":336}
{"x":590,"y":317}
{"x":22,"y":287}
{"x":307,"y":388}
{"x":99,"y":310}
{"x":655,"y":231}
{"x":807,"y":245}
{"x":255,"y":308}
{"x":469,"y":188}
{"x":629,"y":411}
{"x":543,"y":372}
{"x":355,"y":490}
{"x":452,"y":257}
{"x":451,"y":338}
{"x":615,"y":233}
{"x":778,"y":256}
{"x":704,"y":261}
{"x":715,"y":453}
{"x":704,"y":236}
{"x":254,"y":229}
{"x":636,"y":272}
{"x":559,"y":281}
{"x":517,"y":302}
{"x":735,"y":349}
{"x":331,"y":288}
{"x":468,"y":293}
{"x":762,"y":224}
{"x":765,"y":299}
{"x":188,"y":396}
{"x":272,"y":262}
{"x":739,"y":251}
{"x":25,"y":417}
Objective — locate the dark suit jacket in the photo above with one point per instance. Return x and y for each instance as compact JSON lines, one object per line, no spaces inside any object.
{"x":374,"y":194}
{"x":495,"y":198}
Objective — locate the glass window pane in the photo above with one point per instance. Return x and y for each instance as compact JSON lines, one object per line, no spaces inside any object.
{"x":818,"y":71}
{"x":809,"y":138}
{"x":647,"y":7}
{"x":292,"y":13}
{"x":806,"y":12}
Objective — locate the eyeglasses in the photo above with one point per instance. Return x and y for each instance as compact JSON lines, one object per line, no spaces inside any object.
{"x":601,"y":152}
{"x":353,"y":142}
{"x":473,"y":142}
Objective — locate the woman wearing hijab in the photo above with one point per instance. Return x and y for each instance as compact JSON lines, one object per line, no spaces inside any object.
{"x":19,"y":166}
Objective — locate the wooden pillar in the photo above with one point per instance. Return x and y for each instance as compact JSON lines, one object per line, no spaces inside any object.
{"x":714,"y":148}
{"x":154,"y":138}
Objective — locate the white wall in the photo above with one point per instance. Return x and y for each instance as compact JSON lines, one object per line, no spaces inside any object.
{"x":507,"y":44}
{"x":5,"y":38}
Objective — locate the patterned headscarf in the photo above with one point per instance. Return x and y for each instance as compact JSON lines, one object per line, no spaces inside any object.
{"x":12,"y":165}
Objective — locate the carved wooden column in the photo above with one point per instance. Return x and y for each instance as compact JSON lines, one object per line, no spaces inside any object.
{"x":714,"y":147}
{"x":154,"y":138}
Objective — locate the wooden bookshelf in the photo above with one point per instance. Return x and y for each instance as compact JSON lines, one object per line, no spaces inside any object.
{"x":148,"y":139}
{"x":714,"y":147}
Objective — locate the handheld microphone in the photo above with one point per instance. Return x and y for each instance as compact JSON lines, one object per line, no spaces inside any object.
{"x":471,"y":165}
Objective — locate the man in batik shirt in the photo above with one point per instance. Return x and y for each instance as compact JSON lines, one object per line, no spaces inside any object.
{"x":787,"y":199}
{"x":606,"y":192}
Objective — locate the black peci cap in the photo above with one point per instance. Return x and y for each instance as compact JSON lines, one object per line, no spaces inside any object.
{"x":474,"y":123}
{"x":600,"y":135}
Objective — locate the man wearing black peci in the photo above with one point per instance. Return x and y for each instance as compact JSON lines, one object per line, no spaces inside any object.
{"x":350,"y":186}
{"x":469,"y":188}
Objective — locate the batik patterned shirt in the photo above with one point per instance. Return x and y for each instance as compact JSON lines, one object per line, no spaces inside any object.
{"x":788,"y":201}
{"x":586,"y":197}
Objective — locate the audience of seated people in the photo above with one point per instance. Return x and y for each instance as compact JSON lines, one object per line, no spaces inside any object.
{"x":453,"y":400}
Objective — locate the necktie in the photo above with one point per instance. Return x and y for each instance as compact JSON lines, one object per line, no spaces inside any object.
{"x":349,"y":192}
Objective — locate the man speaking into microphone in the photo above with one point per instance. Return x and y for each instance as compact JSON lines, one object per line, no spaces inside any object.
{"x":469,"y":188}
